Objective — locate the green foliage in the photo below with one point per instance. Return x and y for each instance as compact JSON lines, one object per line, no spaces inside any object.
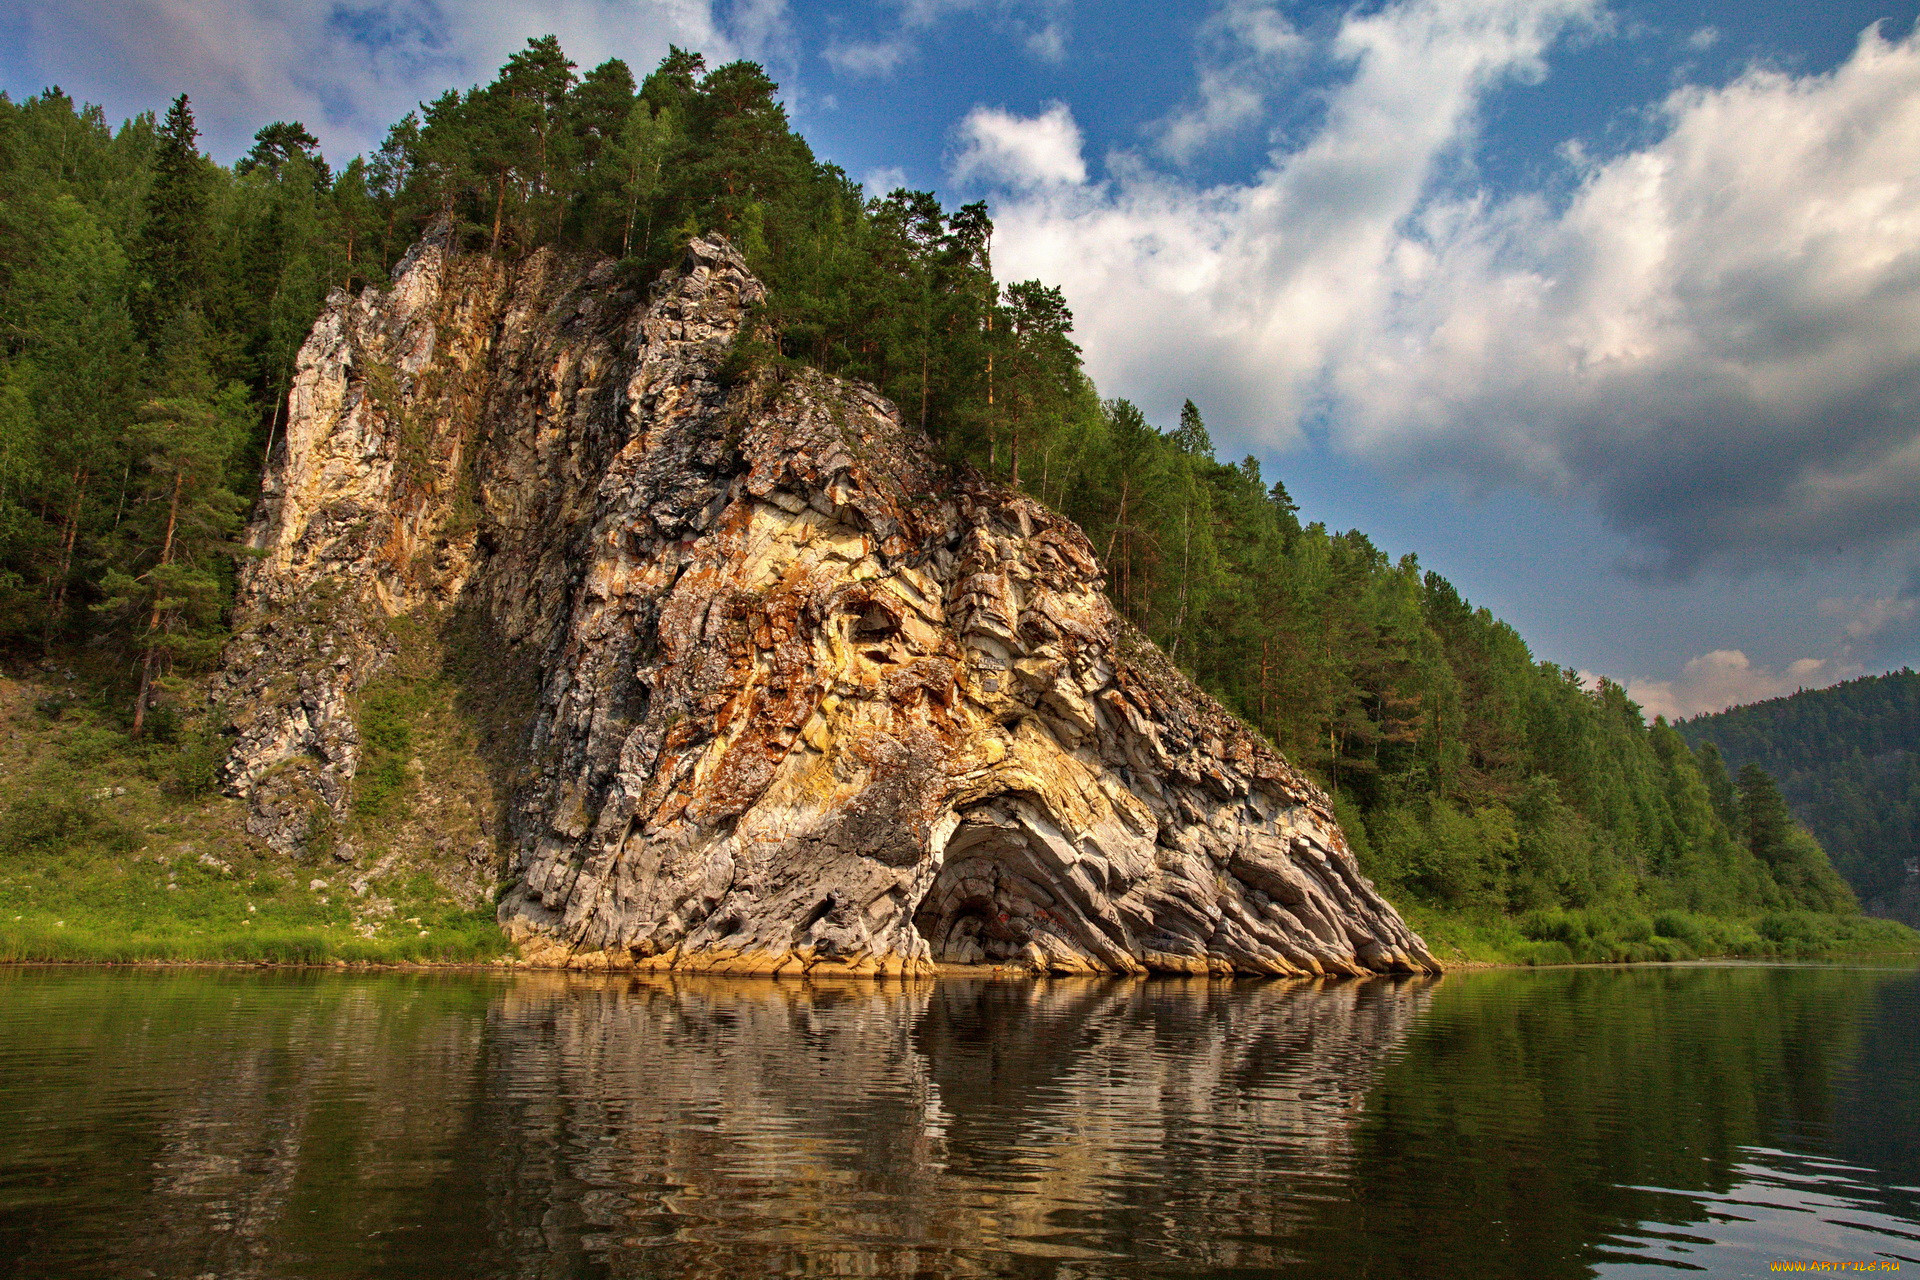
{"x":1622,"y":935}
{"x":385,"y":715}
{"x":150,"y":304}
{"x":112,"y":850}
{"x":1847,"y":761}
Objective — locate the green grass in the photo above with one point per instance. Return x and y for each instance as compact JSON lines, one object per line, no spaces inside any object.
{"x":116,"y":850}
{"x":1612,"y":935}
{"x":90,"y":900}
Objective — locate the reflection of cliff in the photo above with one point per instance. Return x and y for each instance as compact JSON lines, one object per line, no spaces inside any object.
{"x":707,"y":1127}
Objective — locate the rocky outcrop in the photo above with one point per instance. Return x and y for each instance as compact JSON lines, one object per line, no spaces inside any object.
{"x":809,"y":701}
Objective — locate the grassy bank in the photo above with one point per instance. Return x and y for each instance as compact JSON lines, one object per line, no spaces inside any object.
{"x":1615,"y":936}
{"x":113,"y":849}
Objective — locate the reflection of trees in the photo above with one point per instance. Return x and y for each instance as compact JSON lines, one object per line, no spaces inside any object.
{"x":236,"y":1124}
{"x":705,"y":1127}
{"x":1523,"y":1123}
{"x":1877,"y":1109}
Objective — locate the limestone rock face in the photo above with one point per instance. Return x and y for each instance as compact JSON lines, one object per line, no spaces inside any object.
{"x":809,"y":701}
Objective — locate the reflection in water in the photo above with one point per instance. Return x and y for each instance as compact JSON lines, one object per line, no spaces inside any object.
{"x":730,"y":1128}
{"x":232,"y":1124}
{"x":1786,"y":1207}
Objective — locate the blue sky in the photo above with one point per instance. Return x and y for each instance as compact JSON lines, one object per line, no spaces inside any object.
{"x":1610,"y":312}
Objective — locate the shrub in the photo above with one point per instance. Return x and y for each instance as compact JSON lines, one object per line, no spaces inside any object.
{"x":50,"y":817}
{"x":192,"y":769}
{"x":1683,"y":926}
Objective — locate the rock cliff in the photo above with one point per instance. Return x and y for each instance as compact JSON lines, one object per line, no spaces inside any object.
{"x":808,"y":700}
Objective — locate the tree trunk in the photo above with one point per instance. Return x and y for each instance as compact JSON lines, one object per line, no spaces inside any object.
{"x":1186,"y":569}
{"x":499,"y":208}
{"x":273,"y":426}
{"x":1266,"y":642}
{"x":57,"y":598}
{"x":993,"y":427}
{"x":153,"y":620}
{"x":633,"y":206}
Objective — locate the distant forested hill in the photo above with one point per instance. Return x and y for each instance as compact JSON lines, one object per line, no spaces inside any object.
{"x":1848,"y":760}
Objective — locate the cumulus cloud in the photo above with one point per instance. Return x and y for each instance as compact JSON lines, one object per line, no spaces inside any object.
{"x":349,"y":69}
{"x":1870,"y":628}
{"x":1040,"y":25}
{"x":1726,"y":678}
{"x":1867,"y":618}
{"x":879,"y":182}
{"x":1718,"y":337}
{"x":1715,"y":338}
{"x":1252,"y":290}
{"x":1020,"y":151}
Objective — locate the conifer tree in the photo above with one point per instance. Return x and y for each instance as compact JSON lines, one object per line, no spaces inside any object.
{"x":277,"y":144}
{"x":167,"y":589}
{"x":173,"y":243}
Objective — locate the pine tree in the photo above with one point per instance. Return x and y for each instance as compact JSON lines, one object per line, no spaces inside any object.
{"x":168,"y":589}
{"x":277,"y":144}
{"x":173,"y":247}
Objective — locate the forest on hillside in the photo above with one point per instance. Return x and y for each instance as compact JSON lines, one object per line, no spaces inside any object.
{"x":152,"y":302}
{"x":1848,"y":761}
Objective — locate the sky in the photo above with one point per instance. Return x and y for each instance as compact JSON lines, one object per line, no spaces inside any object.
{"x":1609,"y":312}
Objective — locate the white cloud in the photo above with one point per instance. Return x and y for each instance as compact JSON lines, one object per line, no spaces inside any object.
{"x":880,"y":182}
{"x":348,"y":70}
{"x":1252,"y":290}
{"x":869,"y":57}
{"x":1048,"y":41}
{"x":1718,"y":338}
{"x":1715,"y":339}
{"x":1704,"y":38}
{"x":1244,"y":44}
{"x":1867,"y":618}
{"x":1725,"y":678}
{"x":1021,"y":151}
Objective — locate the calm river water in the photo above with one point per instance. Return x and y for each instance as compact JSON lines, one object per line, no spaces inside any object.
{"x":1613,"y":1122}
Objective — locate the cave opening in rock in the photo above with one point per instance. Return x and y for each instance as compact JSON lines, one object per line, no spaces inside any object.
{"x":994,"y":903}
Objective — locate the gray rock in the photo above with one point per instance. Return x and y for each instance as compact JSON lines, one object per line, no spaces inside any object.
{"x":809,"y":700}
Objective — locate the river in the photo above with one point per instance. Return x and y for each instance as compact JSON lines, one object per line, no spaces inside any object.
{"x":1575,"y":1122}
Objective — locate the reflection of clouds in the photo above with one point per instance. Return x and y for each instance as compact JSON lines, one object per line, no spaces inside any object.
{"x":1785,"y":1205}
